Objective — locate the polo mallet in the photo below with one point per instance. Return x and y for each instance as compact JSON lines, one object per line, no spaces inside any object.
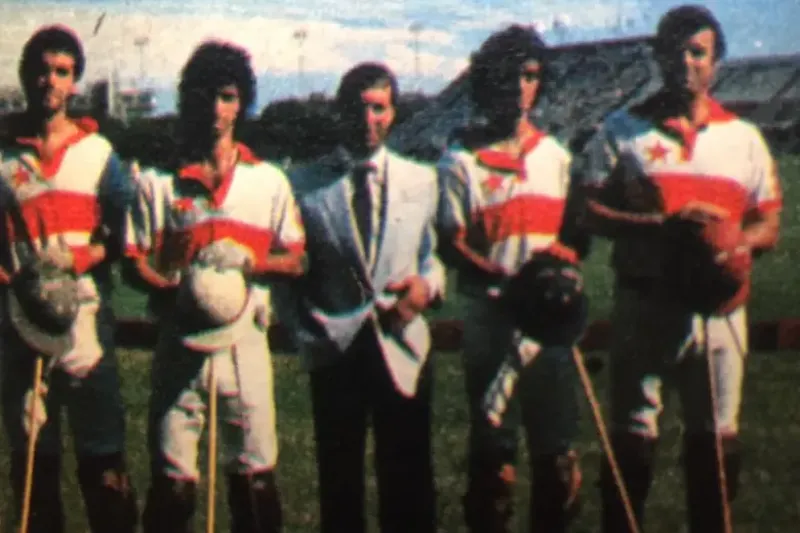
{"x":718,"y":448}
{"x":502,"y":388}
{"x":212,"y":447}
{"x":735,"y":336}
{"x":26,"y":253}
{"x":32,"y":437}
{"x":597,"y":414}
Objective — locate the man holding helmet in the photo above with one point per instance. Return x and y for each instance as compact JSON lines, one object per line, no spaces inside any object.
{"x":63,"y":198}
{"x":688,"y":192}
{"x":216,"y":226}
{"x":504,"y":187}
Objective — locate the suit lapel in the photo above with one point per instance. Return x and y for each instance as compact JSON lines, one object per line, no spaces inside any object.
{"x":388,"y":234}
{"x":340,"y":209}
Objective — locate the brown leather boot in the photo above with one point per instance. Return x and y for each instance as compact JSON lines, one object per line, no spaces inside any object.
{"x":110,"y":499}
{"x":554,"y":500}
{"x":635,"y":456}
{"x":489,"y":501}
{"x":703,"y":495}
{"x":254,"y":503}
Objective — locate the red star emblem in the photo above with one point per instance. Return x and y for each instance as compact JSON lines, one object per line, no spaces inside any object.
{"x":183,"y":205}
{"x":493,"y":182}
{"x":21,"y":176}
{"x":657,"y":152}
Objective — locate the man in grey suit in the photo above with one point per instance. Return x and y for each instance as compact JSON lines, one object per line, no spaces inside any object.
{"x":369,"y":215}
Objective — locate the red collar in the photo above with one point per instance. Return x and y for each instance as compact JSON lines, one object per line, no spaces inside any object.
{"x":195,"y":171}
{"x":50,"y":165}
{"x":499,"y":160}
{"x":654,"y":111}
{"x":716,"y":114}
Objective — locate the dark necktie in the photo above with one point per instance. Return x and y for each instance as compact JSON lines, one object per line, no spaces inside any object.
{"x":362,"y":204}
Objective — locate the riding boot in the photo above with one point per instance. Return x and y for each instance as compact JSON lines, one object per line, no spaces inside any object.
{"x":170,"y":505}
{"x":46,"y":512}
{"x":635,"y":457}
{"x":254,"y":503}
{"x":554,"y":496}
{"x":703,"y":494}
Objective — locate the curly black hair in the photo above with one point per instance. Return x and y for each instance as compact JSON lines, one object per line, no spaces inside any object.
{"x":212,"y":66}
{"x":495,"y":67}
{"x":680,"y":23}
{"x":53,"y":38}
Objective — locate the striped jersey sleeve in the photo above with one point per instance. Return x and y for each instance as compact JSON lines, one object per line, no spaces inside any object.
{"x":455,"y":195}
{"x":147,"y":213}
{"x":765,"y":192}
{"x":598,"y":158}
{"x":117,"y":192}
{"x":286,"y":221}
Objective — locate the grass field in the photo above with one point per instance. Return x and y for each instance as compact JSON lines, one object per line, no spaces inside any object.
{"x":770,"y":499}
{"x":771,"y":430}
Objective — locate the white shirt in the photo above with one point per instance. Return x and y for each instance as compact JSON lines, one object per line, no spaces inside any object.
{"x":377,"y":182}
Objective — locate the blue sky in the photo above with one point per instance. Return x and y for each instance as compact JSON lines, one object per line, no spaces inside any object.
{"x":341,"y":33}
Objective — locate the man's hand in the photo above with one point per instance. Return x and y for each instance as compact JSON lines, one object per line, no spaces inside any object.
{"x":152,"y":277}
{"x":286,"y":264}
{"x":413,"y":298}
{"x":60,"y":257}
{"x":223,"y":257}
{"x":76,"y":261}
{"x":34,"y":419}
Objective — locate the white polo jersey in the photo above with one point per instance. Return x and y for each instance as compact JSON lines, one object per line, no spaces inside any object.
{"x":63,"y":199}
{"x":725,"y":163}
{"x":507,"y":207}
{"x":253,"y":209}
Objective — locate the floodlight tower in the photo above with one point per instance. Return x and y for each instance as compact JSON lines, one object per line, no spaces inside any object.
{"x":300,"y":35}
{"x":560,"y":26}
{"x":141,"y":43}
{"x":415,"y":29}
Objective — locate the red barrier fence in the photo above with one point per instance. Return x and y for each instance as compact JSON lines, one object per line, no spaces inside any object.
{"x":765,"y":336}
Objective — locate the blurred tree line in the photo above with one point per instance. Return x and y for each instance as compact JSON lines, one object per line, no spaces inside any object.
{"x":294,"y":129}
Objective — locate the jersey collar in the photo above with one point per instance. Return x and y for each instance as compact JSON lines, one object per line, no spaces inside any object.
{"x":499,"y":160}
{"x":48,"y":166}
{"x":654,"y":110}
{"x":196,"y":172}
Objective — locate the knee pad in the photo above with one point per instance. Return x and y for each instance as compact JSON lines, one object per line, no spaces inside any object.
{"x":557,"y":480}
{"x":170,"y":505}
{"x":254,"y":503}
{"x":108,"y":493}
{"x":46,"y":514}
{"x":554,"y":497}
{"x":488,"y":503}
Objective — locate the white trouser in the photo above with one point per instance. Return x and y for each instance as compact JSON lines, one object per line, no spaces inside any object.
{"x":246,"y":406}
{"x":656,"y":344}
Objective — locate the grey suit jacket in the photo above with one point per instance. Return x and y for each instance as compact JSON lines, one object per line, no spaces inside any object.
{"x":340,"y":293}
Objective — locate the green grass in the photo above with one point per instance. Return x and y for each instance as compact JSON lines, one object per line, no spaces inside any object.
{"x":770,"y":429}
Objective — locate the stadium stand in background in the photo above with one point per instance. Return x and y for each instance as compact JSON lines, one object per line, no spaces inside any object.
{"x":591,"y":79}
{"x":132,"y":103}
